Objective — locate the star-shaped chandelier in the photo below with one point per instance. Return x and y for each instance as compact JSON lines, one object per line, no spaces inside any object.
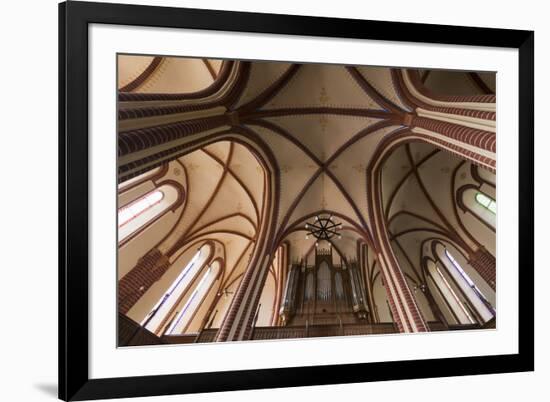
{"x":323,"y":228}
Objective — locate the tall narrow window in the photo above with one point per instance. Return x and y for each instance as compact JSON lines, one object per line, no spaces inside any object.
{"x":173,"y":294}
{"x":136,"y":215}
{"x":486,"y":202}
{"x":479,"y":204}
{"x":126,"y":185}
{"x":190,"y":306}
{"x":454,"y":295}
{"x":480,"y":296}
{"x":130,"y":212}
{"x":190,"y":301}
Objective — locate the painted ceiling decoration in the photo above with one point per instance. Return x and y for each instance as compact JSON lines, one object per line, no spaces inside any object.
{"x":269,"y":152}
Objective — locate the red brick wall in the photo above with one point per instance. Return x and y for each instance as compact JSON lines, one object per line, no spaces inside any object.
{"x":485,"y":264}
{"x":135,"y":283}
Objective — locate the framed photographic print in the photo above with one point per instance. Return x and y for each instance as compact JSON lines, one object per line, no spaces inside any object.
{"x":256,"y":200}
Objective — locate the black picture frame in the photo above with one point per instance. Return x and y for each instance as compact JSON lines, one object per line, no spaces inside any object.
{"x":74,"y":18}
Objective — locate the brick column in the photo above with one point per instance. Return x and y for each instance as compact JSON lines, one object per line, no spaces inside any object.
{"x":135,"y":283}
{"x":406,"y":313}
{"x":478,"y":138}
{"x":414,"y":76}
{"x":464,"y":125}
{"x":485,"y":264}
{"x":240,"y":314}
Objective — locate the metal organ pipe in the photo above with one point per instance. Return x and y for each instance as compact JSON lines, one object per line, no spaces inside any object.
{"x":323,"y":282}
{"x":339,"y":286}
{"x":289,"y":300}
{"x":310,"y":287}
{"x":358,"y":290}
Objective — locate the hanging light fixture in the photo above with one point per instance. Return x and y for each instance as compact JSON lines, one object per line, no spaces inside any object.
{"x":323,"y":228}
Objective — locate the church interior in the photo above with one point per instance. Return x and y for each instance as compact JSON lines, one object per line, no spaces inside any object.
{"x":264,"y":200}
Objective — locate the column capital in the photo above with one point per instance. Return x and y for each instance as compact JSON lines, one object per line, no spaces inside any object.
{"x":408,"y":119}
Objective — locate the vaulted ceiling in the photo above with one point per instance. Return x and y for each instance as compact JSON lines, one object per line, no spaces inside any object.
{"x":321,"y":122}
{"x":224,"y":197}
{"x":169,"y":74}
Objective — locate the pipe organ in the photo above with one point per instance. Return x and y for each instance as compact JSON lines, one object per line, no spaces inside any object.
{"x":324,"y":293}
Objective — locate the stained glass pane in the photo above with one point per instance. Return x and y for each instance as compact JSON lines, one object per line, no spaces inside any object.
{"x":136,"y":208}
{"x":486,"y":202}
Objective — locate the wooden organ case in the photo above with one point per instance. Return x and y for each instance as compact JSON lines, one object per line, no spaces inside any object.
{"x":324,"y":293}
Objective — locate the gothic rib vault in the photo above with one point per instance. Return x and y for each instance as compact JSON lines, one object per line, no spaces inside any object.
{"x":259,"y":148}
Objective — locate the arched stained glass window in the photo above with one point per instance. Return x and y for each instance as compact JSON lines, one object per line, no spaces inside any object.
{"x":128,"y":184}
{"x":173,"y":294}
{"x":479,"y":204}
{"x":184,"y":316}
{"x":450,"y":291}
{"x":136,"y":215}
{"x":486,"y":202}
{"x":130,"y":212}
{"x":190,"y":301}
{"x":469,"y":282}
